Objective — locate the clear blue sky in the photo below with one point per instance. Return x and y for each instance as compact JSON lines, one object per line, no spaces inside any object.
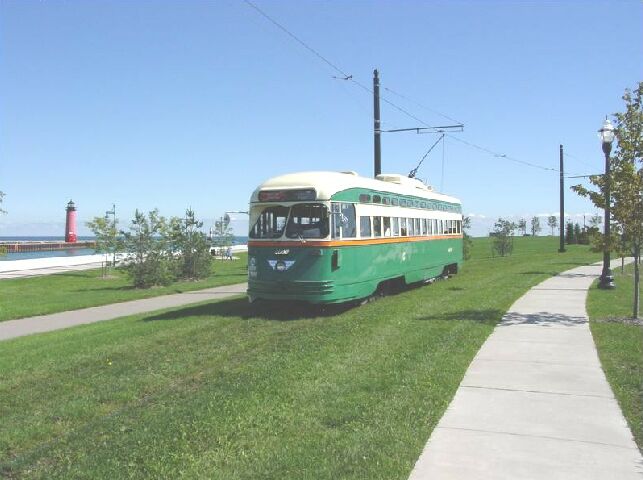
{"x":173,"y":104}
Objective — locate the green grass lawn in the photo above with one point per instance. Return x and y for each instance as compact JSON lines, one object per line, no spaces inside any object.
{"x":226,"y":390}
{"x":620,"y":346}
{"x":25,"y":297}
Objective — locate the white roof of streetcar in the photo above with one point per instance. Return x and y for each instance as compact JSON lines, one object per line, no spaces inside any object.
{"x":326,"y":184}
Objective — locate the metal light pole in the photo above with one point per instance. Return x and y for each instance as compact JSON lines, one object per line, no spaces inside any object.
{"x":113,"y":213}
{"x":607,"y":137}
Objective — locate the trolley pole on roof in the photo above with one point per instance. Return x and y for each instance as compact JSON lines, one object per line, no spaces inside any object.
{"x":377,"y":129}
{"x":562,"y":204}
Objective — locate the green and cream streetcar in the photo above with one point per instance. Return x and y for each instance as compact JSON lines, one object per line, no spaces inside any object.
{"x":330,"y":237}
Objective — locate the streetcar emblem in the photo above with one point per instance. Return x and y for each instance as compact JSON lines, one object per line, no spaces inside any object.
{"x":281,"y":265}
{"x":285,"y":251}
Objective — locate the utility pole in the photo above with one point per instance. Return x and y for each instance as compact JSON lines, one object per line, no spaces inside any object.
{"x":562,"y":203}
{"x":377,"y":128}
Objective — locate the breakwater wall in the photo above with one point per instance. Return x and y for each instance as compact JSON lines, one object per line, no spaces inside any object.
{"x":44,"y":246}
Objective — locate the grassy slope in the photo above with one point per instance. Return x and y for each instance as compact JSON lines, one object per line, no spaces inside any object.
{"x":620,"y":346}
{"x":25,"y":297}
{"x":223,"y":390}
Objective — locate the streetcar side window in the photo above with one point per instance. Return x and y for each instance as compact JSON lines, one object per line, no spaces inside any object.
{"x":365,"y":227}
{"x":386,"y":221}
{"x":403,"y":230}
{"x":396,"y":226}
{"x":377,"y":226}
{"x":425,"y":230}
{"x":343,"y":220}
{"x":411,"y":226}
{"x":417,"y":227}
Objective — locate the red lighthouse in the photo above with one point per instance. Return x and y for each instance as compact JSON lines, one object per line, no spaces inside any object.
{"x":70,"y":224}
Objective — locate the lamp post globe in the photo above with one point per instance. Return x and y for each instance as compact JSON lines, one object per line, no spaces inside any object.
{"x":607,"y":135}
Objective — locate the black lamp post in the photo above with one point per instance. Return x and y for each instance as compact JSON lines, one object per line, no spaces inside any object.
{"x":607,"y":137}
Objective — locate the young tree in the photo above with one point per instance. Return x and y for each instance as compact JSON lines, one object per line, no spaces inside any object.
{"x":628,"y":180}
{"x":194,"y":259}
{"x":149,"y":259}
{"x":535,"y":226}
{"x":503,"y":237}
{"x":106,"y":232}
{"x":626,"y":184}
{"x":578,"y":236}
{"x":552,"y":222}
{"x":569,"y":233}
{"x":522,"y":226}
{"x":467,"y":243}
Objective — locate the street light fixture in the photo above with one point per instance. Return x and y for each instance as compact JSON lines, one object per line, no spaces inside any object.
{"x":607,"y":137}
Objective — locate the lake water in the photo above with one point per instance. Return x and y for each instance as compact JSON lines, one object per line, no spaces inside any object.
{"x":70,"y":252}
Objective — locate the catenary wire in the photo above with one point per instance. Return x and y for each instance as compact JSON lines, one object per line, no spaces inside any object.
{"x":387,"y":101}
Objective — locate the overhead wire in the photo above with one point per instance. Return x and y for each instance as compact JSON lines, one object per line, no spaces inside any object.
{"x":444,"y":115}
{"x":350,"y":78}
{"x":502,"y":155}
{"x":345,"y":75}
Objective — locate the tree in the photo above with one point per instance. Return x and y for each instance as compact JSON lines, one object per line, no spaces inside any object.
{"x":535,"y":226}
{"x":569,"y":233}
{"x":149,"y":258}
{"x":503,"y":237}
{"x":106,"y":233}
{"x":626,"y":181}
{"x":2,"y":195}
{"x":552,"y":222}
{"x":522,"y":226}
{"x":190,"y":247}
{"x":578,"y":234}
{"x":467,"y":243}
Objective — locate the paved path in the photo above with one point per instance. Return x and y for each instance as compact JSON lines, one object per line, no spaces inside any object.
{"x":56,"y":321}
{"x":534,"y":403}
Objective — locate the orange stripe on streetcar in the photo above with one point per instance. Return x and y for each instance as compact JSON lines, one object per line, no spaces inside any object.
{"x":344,"y":243}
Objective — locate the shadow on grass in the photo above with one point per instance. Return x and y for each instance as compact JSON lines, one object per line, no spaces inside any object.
{"x":551,"y":274}
{"x":240,"y":308}
{"x":122,"y":288}
{"x":488,"y":316}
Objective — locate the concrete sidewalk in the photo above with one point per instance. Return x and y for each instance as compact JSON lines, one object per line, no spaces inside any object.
{"x":56,"y":321}
{"x":535,"y":403}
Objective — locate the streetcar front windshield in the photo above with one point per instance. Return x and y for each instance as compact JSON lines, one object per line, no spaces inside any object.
{"x":270,"y":223}
{"x":308,"y":220}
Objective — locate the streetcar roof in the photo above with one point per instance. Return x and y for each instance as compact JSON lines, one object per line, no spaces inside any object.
{"x":327,"y":184}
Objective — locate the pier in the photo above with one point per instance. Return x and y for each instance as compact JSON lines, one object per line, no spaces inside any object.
{"x":44,"y":246}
